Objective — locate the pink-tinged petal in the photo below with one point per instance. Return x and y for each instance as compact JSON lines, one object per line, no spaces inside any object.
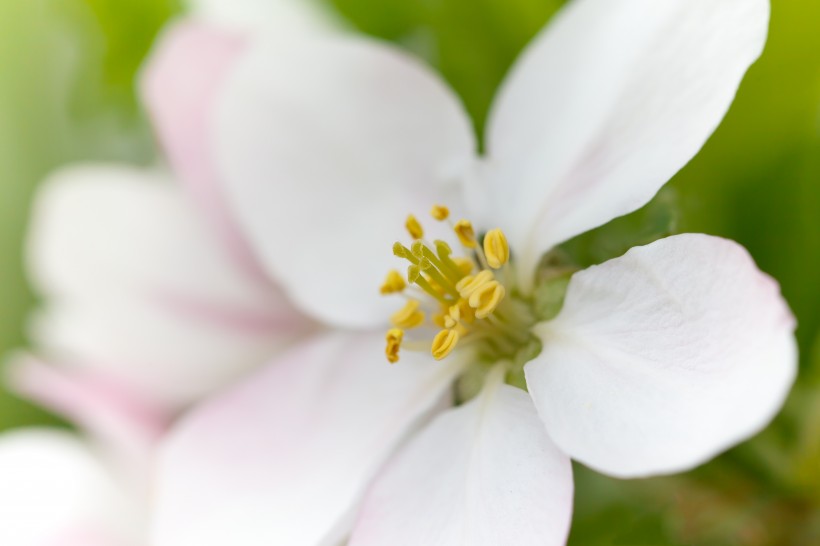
{"x":285,"y":457}
{"x":180,"y":84}
{"x":664,"y":357}
{"x":161,"y":352}
{"x":482,"y":474}
{"x":86,"y":535}
{"x":285,"y":19}
{"x":137,"y":286}
{"x":128,"y":425}
{"x":326,"y":148}
{"x":609,"y":102}
{"x":55,"y":491}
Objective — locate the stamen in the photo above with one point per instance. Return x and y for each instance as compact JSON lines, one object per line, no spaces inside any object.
{"x":470,"y":284}
{"x":394,"y":338}
{"x":466,"y":233}
{"x":414,"y":227}
{"x":440,"y":212}
{"x":465,"y":265}
{"x":443,"y":344}
{"x":409,"y":316}
{"x":496,"y":248}
{"x":469,"y":290}
{"x":486,"y":299}
{"x":393,"y":283}
{"x":452,"y":317}
{"x":467,"y":313}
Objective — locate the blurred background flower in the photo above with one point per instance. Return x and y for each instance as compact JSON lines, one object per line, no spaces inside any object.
{"x":67,"y":93}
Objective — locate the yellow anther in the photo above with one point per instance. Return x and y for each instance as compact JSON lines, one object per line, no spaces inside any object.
{"x":443,"y":344}
{"x":466,"y":265}
{"x":466,"y":233}
{"x":410,"y":316}
{"x":469,"y":284}
{"x":455,"y":312}
{"x":486,"y":299}
{"x":440,"y":212}
{"x":394,"y":338}
{"x":393,"y":283}
{"x":496,"y":248}
{"x":452,"y":317}
{"x":414,"y":227}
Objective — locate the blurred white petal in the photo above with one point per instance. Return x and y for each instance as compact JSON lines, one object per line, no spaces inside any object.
{"x":54,"y":490}
{"x":124,"y":423}
{"x":180,"y":85}
{"x":138,"y":286}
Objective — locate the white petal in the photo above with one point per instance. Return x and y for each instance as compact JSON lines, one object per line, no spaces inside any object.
{"x":483,"y":474}
{"x":98,"y":228}
{"x":609,"y":102}
{"x":280,"y":18}
{"x":326,"y":149}
{"x":55,"y":490}
{"x":179,"y":85}
{"x":285,"y":457}
{"x":664,"y":357}
{"x":172,"y":355}
{"x":127,"y":425}
{"x":136,"y":283}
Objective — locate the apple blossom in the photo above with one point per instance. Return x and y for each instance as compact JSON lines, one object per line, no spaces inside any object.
{"x":657,"y":361}
{"x":152,"y":300}
{"x":147,"y":283}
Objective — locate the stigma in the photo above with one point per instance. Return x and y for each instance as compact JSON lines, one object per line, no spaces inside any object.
{"x":451,"y":300}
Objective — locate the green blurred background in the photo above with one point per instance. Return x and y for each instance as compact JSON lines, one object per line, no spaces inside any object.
{"x":67,"y":70}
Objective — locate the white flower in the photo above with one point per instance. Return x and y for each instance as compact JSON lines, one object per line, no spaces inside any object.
{"x":140,"y":290}
{"x":147,"y":283}
{"x":152,"y":300}
{"x":659,"y":359}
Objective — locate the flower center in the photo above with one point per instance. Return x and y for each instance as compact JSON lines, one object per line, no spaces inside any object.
{"x":459,"y":301}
